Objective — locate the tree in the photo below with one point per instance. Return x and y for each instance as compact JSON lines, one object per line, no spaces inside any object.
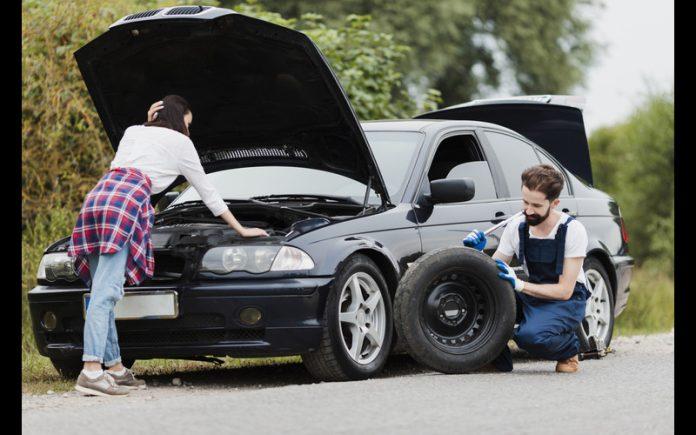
{"x":468,"y":48}
{"x":64,"y":147}
{"x":636,"y":162}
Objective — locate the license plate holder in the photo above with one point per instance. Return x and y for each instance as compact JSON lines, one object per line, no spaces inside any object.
{"x":160,"y":304}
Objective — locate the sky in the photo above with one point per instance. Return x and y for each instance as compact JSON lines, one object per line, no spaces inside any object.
{"x":639,"y":55}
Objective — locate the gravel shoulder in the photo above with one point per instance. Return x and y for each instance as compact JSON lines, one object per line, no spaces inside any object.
{"x":631,"y":389}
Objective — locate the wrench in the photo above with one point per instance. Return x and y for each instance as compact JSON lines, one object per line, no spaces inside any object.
{"x":502,"y":224}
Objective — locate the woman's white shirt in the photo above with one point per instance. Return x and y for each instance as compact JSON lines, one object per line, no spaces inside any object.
{"x":163,"y":154}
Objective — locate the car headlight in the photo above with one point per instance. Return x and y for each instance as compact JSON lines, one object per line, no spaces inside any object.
{"x":57,"y":265}
{"x":255,"y":259}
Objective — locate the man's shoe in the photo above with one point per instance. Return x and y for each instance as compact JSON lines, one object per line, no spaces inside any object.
{"x":570,"y":365}
{"x":104,"y":385}
{"x":129,"y":380}
{"x":503,"y":362}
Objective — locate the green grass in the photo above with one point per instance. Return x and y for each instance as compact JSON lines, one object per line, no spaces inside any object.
{"x":39,"y":376}
{"x":650,"y":306}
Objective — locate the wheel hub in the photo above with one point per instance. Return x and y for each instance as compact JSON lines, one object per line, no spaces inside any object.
{"x":451,"y":309}
{"x":454,"y":311}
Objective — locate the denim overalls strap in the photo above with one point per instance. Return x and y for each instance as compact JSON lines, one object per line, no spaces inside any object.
{"x":522,"y":228}
{"x":560,"y":244}
{"x":544,"y":257}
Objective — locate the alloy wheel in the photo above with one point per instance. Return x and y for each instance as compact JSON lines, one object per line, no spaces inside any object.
{"x":362,"y":318}
{"x":597,"y":319}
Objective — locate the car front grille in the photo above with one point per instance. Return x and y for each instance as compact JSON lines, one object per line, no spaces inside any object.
{"x":168,"y":265}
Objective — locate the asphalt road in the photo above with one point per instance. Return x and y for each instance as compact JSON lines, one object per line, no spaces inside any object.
{"x":629,"y":391}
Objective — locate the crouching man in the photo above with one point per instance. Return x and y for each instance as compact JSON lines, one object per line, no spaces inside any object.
{"x":551,"y":247}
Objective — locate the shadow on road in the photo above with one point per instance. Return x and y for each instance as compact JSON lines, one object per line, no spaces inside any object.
{"x":276,"y":375}
{"x":269,"y":376}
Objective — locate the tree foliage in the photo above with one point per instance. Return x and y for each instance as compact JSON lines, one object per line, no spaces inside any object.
{"x":64,"y":147}
{"x":365,"y":61}
{"x":634,"y":162}
{"x":467,"y":48}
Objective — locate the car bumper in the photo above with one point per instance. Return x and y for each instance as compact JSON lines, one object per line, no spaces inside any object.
{"x":623,"y":267}
{"x":208,"y":322}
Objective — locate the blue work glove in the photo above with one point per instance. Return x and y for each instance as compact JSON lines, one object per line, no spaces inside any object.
{"x":476,"y":239}
{"x":509,"y":275}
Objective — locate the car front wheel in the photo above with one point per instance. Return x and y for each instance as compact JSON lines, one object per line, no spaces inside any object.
{"x":357,"y":325}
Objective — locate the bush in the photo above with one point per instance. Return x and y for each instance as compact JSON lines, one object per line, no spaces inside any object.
{"x":634,"y":162}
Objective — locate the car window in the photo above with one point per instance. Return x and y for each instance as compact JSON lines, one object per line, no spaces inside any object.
{"x":395,"y":153}
{"x":514,"y":157}
{"x":546,"y":160}
{"x":460,"y":156}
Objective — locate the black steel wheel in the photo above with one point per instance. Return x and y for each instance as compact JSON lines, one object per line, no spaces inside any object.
{"x":453,"y":311}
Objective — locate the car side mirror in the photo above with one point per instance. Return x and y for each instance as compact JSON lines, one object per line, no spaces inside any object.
{"x":167,"y":199}
{"x":449,"y":190}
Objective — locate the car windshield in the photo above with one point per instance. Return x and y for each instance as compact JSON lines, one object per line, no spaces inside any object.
{"x":394,"y":152}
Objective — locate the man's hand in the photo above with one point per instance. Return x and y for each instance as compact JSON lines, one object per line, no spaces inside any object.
{"x":509,"y":275}
{"x":152,"y":113}
{"x":476,"y":239}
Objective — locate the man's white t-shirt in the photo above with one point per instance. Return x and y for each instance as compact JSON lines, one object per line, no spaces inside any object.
{"x":575,"y":243}
{"x":163,"y":154}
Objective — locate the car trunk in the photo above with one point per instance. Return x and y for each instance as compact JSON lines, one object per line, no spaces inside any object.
{"x":559,"y":129}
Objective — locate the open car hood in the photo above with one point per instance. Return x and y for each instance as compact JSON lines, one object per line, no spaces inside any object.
{"x":553,"y":122}
{"x":261,"y":94}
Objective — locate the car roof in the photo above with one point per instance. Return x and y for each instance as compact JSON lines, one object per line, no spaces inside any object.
{"x":423,"y":125}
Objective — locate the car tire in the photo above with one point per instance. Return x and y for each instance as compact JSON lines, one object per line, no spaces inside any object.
{"x":341,"y":355}
{"x":67,"y":368}
{"x":600,"y":305}
{"x":452,"y":310}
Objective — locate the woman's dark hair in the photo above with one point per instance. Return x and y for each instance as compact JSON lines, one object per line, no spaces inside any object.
{"x":172,"y":114}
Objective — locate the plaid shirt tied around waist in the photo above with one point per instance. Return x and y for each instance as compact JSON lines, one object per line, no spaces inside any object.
{"x":116,"y":215}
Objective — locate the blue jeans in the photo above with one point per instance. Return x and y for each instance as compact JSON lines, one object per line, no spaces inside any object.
{"x":108,"y":277}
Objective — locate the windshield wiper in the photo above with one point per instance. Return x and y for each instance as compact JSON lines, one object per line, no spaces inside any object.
{"x":323,"y":198}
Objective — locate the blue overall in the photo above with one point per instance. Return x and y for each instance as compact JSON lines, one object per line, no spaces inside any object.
{"x":546,"y":327}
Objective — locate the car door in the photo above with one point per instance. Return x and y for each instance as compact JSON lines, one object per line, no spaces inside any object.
{"x":459,"y":154}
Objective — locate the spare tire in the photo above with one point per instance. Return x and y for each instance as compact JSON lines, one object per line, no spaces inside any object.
{"x":452,"y":310}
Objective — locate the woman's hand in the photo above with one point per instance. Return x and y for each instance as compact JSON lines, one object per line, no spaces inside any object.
{"x":253,"y":232}
{"x":152,"y":113}
{"x":228,"y":217}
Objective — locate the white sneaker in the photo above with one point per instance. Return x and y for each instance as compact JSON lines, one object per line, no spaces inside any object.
{"x":104,"y":385}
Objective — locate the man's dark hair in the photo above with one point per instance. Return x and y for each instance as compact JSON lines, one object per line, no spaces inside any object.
{"x":545,"y":179}
{"x":172,"y":114}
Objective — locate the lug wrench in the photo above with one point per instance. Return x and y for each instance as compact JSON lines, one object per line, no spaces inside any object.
{"x":501,"y":224}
